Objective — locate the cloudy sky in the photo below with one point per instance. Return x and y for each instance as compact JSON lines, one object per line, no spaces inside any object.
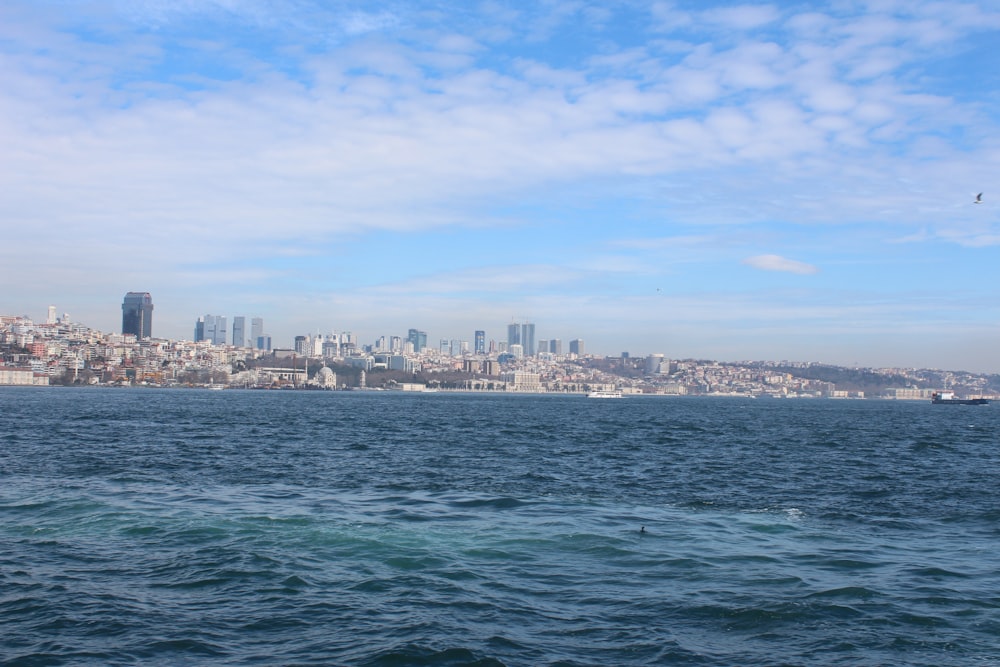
{"x":715,"y":180}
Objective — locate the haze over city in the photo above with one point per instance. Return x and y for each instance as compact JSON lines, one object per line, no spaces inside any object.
{"x":702,"y":180}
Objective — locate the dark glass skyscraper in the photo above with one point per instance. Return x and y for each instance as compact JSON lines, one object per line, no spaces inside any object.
{"x":418,"y":338}
{"x":137,"y":314}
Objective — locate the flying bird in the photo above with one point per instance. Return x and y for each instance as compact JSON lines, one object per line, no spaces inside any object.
{"x":979,"y":199}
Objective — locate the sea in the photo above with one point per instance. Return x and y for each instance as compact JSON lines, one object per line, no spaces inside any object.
{"x":197,"y":527}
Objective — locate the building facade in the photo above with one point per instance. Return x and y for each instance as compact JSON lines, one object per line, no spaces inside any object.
{"x":211,"y":328}
{"x":256,"y":331}
{"x":137,"y":314}
{"x":418,"y":338}
{"x":239,"y":331}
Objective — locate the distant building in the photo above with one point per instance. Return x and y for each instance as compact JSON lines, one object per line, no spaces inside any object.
{"x":239,"y":327}
{"x":528,"y":338}
{"x":211,"y":328}
{"x":523,"y":335}
{"x":576,"y":347}
{"x":137,"y":314}
{"x":325,"y":378}
{"x":513,"y":334}
{"x":256,"y":332}
{"x":418,"y":338}
{"x":480,"y":342}
{"x":522,"y":381}
{"x":657,"y":364}
{"x":25,"y":376}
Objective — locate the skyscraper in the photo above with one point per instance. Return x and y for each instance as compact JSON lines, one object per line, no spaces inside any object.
{"x":239,"y":325}
{"x":513,"y":334}
{"x":576,"y":347}
{"x":528,"y":338}
{"x":256,"y":331}
{"x":418,"y":338}
{"x":137,"y":314}
{"x":480,"y":345}
{"x":215,"y":329}
{"x":211,"y":328}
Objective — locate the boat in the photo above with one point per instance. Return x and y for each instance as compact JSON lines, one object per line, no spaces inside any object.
{"x":604,"y":393}
{"x":948,"y":398}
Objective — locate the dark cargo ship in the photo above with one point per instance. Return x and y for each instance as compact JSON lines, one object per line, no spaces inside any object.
{"x":948,"y":398}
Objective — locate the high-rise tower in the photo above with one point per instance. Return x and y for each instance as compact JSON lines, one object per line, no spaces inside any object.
{"x":239,"y":326}
{"x":137,"y":314}
{"x":256,"y":332}
{"x":418,"y":338}
{"x":513,"y":334}
{"x":528,"y":338}
{"x":211,"y":328}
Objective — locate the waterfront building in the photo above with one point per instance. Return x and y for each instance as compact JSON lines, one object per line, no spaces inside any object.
{"x":522,"y":381}
{"x":137,"y":314}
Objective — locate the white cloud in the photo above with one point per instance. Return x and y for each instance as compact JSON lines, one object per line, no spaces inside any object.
{"x":779,"y":263}
{"x":741,"y":17}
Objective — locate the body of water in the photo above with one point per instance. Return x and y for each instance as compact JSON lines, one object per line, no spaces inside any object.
{"x":164,"y":527}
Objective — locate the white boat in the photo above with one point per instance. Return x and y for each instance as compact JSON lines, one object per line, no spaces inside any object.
{"x":604,"y":393}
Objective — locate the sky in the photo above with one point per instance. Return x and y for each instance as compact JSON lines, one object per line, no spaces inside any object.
{"x":711,"y":180}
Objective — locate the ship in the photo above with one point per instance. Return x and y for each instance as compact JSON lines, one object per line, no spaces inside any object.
{"x":604,"y":393}
{"x":948,"y":398}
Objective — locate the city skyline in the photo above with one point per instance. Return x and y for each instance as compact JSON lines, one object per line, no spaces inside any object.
{"x":703,"y":180}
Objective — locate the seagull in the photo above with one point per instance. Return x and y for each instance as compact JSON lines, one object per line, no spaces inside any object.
{"x":979,"y":199}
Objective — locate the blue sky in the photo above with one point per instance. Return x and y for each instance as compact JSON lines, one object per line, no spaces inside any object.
{"x":711,"y":180}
